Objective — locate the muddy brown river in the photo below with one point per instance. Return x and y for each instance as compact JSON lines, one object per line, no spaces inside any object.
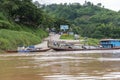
{"x":60,"y":66}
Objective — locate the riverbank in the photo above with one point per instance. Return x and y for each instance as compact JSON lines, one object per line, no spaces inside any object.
{"x":54,"y":37}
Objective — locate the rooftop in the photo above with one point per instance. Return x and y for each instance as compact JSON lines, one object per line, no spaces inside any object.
{"x":110,"y":40}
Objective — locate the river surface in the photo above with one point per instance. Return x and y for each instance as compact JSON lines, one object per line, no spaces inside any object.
{"x":60,"y":66}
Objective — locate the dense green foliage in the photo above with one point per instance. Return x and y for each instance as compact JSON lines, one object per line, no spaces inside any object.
{"x":10,"y":39}
{"x":88,"y":20}
{"x":23,"y":12}
{"x":21,"y":23}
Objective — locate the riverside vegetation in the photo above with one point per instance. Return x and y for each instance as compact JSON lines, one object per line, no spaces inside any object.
{"x":19,"y":24}
{"x":88,"y":20}
{"x":88,"y":41}
{"x":24,"y":22}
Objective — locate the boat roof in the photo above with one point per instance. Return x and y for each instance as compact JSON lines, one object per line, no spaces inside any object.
{"x":110,"y":40}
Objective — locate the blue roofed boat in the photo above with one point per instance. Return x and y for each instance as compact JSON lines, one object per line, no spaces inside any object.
{"x":110,"y":43}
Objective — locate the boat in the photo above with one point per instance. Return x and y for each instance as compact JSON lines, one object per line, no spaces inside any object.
{"x":70,"y":49}
{"x":106,"y":44}
{"x":29,"y":50}
{"x":11,"y":51}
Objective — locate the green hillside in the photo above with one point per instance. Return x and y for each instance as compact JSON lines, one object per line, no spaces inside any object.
{"x":21,"y":23}
{"x":88,"y":20}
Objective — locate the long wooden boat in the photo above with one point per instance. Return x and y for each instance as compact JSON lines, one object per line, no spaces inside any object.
{"x":36,"y":50}
{"x":68,"y":49}
{"x":64,"y":46}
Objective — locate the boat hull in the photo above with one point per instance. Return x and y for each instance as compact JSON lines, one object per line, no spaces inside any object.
{"x":63,"y":49}
{"x":39,"y":50}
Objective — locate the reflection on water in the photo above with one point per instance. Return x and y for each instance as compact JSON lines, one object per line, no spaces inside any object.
{"x":62,"y":66}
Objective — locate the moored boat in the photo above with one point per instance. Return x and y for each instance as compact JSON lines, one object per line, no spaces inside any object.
{"x":105,"y":44}
{"x":70,"y":49}
{"x":29,"y":50}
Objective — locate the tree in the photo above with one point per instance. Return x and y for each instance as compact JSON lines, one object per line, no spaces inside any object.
{"x":99,"y":4}
{"x":37,"y":4}
{"x":94,"y":20}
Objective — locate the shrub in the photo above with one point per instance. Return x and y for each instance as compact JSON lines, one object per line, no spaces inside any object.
{"x":6,"y":25}
{"x":2,"y":17}
{"x":41,"y":33}
{"x":4,"y":44}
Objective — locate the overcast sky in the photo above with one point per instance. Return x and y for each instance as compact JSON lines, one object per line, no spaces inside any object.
{"x":110,"y":4}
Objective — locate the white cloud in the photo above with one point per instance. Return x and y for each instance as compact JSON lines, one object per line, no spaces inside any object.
{"x":110,"y":4}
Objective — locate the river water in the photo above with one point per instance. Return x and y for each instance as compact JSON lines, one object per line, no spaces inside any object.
{"x":60,"y":66}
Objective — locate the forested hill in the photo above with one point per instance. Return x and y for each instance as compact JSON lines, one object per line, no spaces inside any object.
{"x":88,"y":19}
{"x":22,"y":23}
